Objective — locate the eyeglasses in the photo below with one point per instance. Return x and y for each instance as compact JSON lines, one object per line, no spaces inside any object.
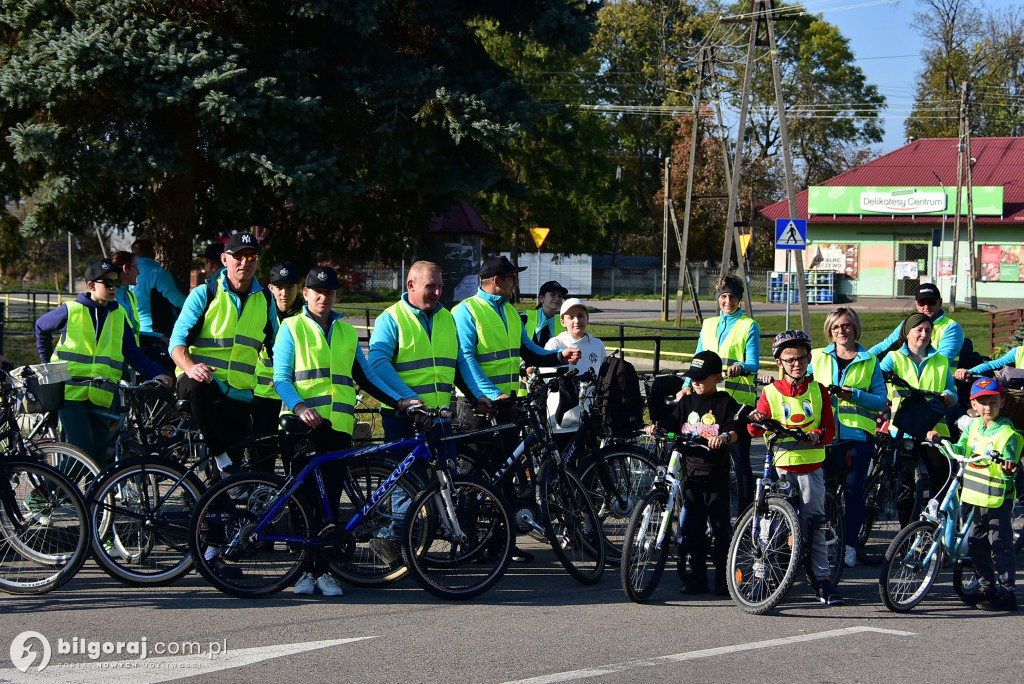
{"x":927,"y":302}
{"x":842,"y":326}
{"x":795,"y":360}
{"x":111,"y":282}
{"x":245,"y":257}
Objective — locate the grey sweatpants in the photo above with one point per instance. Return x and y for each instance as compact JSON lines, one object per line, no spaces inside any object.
{"x":812,"y":505}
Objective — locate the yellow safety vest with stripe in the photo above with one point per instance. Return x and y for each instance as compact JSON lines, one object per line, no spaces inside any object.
{"x":857,"y":375}
{"x":939,"y":327}
{"x":133,"y":315}
{"x":89,"y":356}
{"x":323,"y":372}
{"x":733,"y":350}
{"x":265,"y":369}
{"x":1018,"y":361}
{"x":984,"y":483}
{"x":230,"y":343}
{"x":497,"y":343}
{"x":531,"y":323}
{"x":932,"y":378}
{"x":802,"y":411}
{"x":425,"y":363}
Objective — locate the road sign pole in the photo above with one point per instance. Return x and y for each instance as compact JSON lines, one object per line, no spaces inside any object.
{"x":789,"y":283}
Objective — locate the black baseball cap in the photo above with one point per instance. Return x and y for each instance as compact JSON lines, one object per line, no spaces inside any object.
{"x":703,"y":365}
{"x":498,"y":266}
{"x":97,"y":269}
{"x":322,"y":278}
{"x":213,"y":251}
{"x":552,"y":286}
{"x":240,"y":241}
{"x":284,"y":273}
{"x":927,"y":291}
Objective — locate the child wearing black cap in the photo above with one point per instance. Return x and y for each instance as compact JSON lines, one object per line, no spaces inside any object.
{"x":716,"y":415}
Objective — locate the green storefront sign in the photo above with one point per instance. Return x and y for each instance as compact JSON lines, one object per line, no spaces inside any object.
{"x":898,"y":200}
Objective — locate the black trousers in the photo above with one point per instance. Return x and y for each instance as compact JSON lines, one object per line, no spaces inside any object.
{"x":706,"y":498}
{"x":740,"y":452}
{"x":223,"y":421}
{"x":265,"y":415}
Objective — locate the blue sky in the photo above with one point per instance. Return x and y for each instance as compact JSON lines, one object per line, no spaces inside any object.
{"x":887,"y":48}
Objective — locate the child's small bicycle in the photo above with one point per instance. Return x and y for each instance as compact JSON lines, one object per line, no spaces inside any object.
{"x":915,"y":557}
{"x":656,"y":521}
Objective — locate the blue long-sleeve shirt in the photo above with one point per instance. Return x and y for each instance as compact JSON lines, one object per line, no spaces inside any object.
{"x":752,"y":355}
{"x":887,"y":365}
{"x":362,"y":373}
{"x":122,"y":298}
{"x":384,"y":344}
{"x":1007,"y":359}
{"x":195,"y":307}
{"x":873,"y":398}
{"x":153,"y":276}
{"x":469,"y":369}
{"x":56,"y":321}
{"x":949,"y":346}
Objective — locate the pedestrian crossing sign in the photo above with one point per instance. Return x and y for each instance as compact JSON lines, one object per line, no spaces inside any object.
{"x":790,"y":233}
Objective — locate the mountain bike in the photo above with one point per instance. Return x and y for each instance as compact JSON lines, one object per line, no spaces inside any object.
{"x":916,"y":556}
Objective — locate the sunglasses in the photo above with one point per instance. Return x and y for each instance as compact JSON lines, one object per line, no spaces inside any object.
{"x":111,"y":282}
{"x":245,"y":257}
{"x":927,"y":302}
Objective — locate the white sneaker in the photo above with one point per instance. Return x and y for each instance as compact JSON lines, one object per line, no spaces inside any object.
{"x":328,"y":586}
{"x":306,"y":584}
{"x":850,"y":559}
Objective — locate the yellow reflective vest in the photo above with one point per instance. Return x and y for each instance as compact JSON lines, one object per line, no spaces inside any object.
{"x":802,"y":411}
{"x":984,"y":483}
{"x":533,"y":315}
{"x":90,"y":355}
{"x":932,"y":378}
{"x":733,"y":350}
{"x":425,"y":363}
{"x":939,"y":327}
{"x":323,"y":371}
{"x":498,"y":342}
{"x":857,"y":375}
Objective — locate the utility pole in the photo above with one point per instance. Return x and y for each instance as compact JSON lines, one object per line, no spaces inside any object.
{"x":664,"y":240}
{"x":971,"y":256}
{"x":959,"y":192}
{"x":704,"y":59}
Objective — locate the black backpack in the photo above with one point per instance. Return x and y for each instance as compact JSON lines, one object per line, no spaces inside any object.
{"x":618,"y":402}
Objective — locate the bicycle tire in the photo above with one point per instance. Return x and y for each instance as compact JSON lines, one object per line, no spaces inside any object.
{"x":73,"y":462}
{"x":632,"y":472}
{"x":965,"y":581}
{"x":763,"y":565}
{"x":224,"y":522}
{"x":451,"y":568}
{"x":373,"y":558}
{"x":642,"y":562}
{"x":571,"y":523}
{"x":835,"y":536}
{"x":45,"y":541}
{"x":1017,"y":523}
{"x":885,"y":495}
{"x":901,"y":583}
{"x":149,"y":504}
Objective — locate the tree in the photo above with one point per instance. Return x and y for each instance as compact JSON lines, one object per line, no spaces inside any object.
{"x":307,"y":120}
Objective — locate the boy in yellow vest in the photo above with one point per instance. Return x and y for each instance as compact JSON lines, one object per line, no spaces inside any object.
{"x":989,"y":487}
{"x":797,"y":401}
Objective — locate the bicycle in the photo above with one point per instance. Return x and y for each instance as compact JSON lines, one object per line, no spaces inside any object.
{"x":455,"y":536}
{"x":767,"y":546}
{"x":916,"y":556}
{"x":894,"y":488}
{"x":656,"y":521}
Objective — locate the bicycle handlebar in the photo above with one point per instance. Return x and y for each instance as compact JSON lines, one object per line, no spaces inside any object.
{"x":691,"y":439}
{"x":947,"y":448}
{"x":896,"y":380}
{"x":444,"y":412}
{"x":772,"y":425}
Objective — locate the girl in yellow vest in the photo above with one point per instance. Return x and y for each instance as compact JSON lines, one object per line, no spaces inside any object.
{"x":316,"y":359}
{"x":920,"y":364}
{"x":989,"y":487}
{"x":96,"y":338}
{"x":736,"y":338}
{"x":845,"y":362}
{"x":799,"y":402}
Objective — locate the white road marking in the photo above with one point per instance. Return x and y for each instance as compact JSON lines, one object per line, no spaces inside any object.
{"x":159,"y":669}
{"x":616,"y":668}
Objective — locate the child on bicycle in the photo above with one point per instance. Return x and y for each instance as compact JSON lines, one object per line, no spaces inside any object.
{"x":717,"y":416}
{"x":989,"y":487}
{"x":796,"y":401}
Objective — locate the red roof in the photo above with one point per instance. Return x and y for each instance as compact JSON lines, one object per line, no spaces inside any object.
{"x":1000,"y":161}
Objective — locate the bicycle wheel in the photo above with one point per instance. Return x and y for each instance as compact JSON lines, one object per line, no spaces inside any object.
{"x":965,"y":581}
{"x":905,"y":578}
{"x":463,"y":557}
{"x":632,"y":472}
{"x":74,"y":463}
{"x":643,"y":561}
{"x":44,"y":537}
{"x":373,"y":556}
{"x":764,"y":558}
{"x":224,"y":524}
{"x":835,"y":536}
{"x":140,"y":513}
{"x":571,"y":523}
{"x":888,"y":495}
{"x":1017,"y":523}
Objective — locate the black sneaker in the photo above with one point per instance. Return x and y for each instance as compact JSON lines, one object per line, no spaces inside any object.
{"x":222,"y":569}
{"x":999,"y":602}
{"x":977,"y":597}
{"x":694,"y":587}
{"x":521,"y":556}
{"x":828,"y":595}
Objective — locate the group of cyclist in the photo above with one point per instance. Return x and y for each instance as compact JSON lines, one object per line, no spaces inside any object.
{"x":243,"y":353}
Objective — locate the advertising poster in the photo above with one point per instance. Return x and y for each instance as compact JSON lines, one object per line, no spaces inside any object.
{"x":841,"y":259}
{"x":945,"y":267}
{"x":1001,"y":263}
{"x":906,"y":269}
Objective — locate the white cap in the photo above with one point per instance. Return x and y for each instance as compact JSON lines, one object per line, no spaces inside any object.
{"x":571,"y":302}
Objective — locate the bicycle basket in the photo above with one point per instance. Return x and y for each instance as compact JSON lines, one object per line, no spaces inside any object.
{"x":917,"y":415}
{"x":44,"y":386}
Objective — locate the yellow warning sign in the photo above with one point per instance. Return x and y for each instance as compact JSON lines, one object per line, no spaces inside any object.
{"x":539,"y":235}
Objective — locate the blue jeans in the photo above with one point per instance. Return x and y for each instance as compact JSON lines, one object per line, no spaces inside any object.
{"x":85,"y":430}
{"x":861,"y":452}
